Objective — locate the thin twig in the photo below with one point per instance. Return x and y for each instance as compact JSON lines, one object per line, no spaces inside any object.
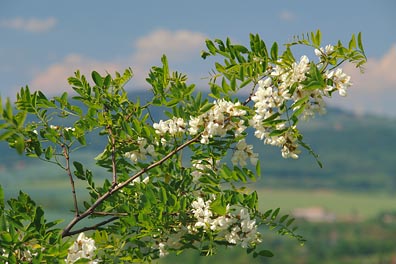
{"x":90,"y":210}
{"x":113,"y":156}
{"x":67,"y":168}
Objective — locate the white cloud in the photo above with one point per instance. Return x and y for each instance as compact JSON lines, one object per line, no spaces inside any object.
{"x":53,"y":80}
{"x":30,"y":25}
{"x":286,"y":15}
{"x":374,"y":90}
{"x":179,"y":46}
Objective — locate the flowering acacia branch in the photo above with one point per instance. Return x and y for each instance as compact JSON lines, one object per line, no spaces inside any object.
{"x":187,"y":205}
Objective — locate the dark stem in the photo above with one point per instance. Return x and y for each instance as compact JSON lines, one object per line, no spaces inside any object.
{"x":67,"y":168}
{"x":93,"y":227}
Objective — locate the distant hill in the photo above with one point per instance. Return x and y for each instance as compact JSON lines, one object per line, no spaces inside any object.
{"x":357,"y":153}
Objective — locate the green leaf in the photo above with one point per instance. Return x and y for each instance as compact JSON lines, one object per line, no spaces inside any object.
{"x":274,"y":51}
{"x":275,"y":213}
{"x":283,"y":218}
{"x":277,"y":132}
{"x":79,"y":170}
{"x":6,"y":135}
{"x":219,"y":206}
{"x":352,"y":43}
{"x":313,"y":85}
{"x":49,"y":152}
{"x":6,"y":237}
{"x":107,"y":81}
{"x":165,"y":73}
{"x":163,"y":197}
{"x":97,"y":78}
{"x":264,"y":253}
{"x":360,"y":43}
{"x":8,"y":110}
{"x":211,"y":47}
{"x":258,"y":168}
{"x":20,"y":144}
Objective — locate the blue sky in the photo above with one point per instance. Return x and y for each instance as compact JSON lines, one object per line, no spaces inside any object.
{"x":43,"y":42}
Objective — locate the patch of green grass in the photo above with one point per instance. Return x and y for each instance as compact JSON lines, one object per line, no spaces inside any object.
{"x":343,"y":204}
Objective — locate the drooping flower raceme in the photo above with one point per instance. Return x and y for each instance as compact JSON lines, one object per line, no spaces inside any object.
{"x":83,"y":248}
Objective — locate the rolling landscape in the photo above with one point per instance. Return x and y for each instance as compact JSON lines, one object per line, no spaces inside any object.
{"x":346,"y":210}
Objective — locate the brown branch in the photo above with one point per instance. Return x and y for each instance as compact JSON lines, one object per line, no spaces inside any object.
{"x":67,"y":168}
{"x":109,"y":213}
{"x":115,"y":188}
{"x":93,"y":227}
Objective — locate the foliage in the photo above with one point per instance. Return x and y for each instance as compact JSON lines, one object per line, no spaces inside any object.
{"x":170,"y":187}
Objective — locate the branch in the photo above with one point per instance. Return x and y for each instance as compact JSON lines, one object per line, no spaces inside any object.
{"x":115,"y":188}
{"x":113,"y":156}
{"x":67,"y":168}
{"x":70,"y":233}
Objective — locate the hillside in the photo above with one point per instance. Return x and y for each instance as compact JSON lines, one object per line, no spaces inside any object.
{"x":357,"y":153}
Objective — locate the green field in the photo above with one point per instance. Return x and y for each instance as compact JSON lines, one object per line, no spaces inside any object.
{"x":343,"y":204}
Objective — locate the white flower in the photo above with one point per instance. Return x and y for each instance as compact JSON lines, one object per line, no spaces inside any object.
{"x":233,"y":237}
{"x":341,"y":81}
{"x":171,"y":126}
{"x":70,"y":129}
{"x":162,"y":249}
{"x":143,"y":150}
{"x":324,"y":51}
{"x":242,"y":153}
{"x":82,"y":248}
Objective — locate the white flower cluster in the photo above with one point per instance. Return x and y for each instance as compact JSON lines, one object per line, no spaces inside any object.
{"x":324,"y":51}
{"x":218,"y":120}
{"x":25,"y":255}
{"x":236,"y":229}
{"x":243,"y":152}
{"x":170,"y":126}
{"x":340,"y":80}
{"x":143,"y":150}
{"x":274,"y":91}
{"x":82,"y":248}
{"x":266,"y":99}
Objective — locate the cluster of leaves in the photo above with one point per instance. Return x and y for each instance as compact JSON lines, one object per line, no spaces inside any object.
{"x":26,"y":236}
{"x":133,"y":216}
